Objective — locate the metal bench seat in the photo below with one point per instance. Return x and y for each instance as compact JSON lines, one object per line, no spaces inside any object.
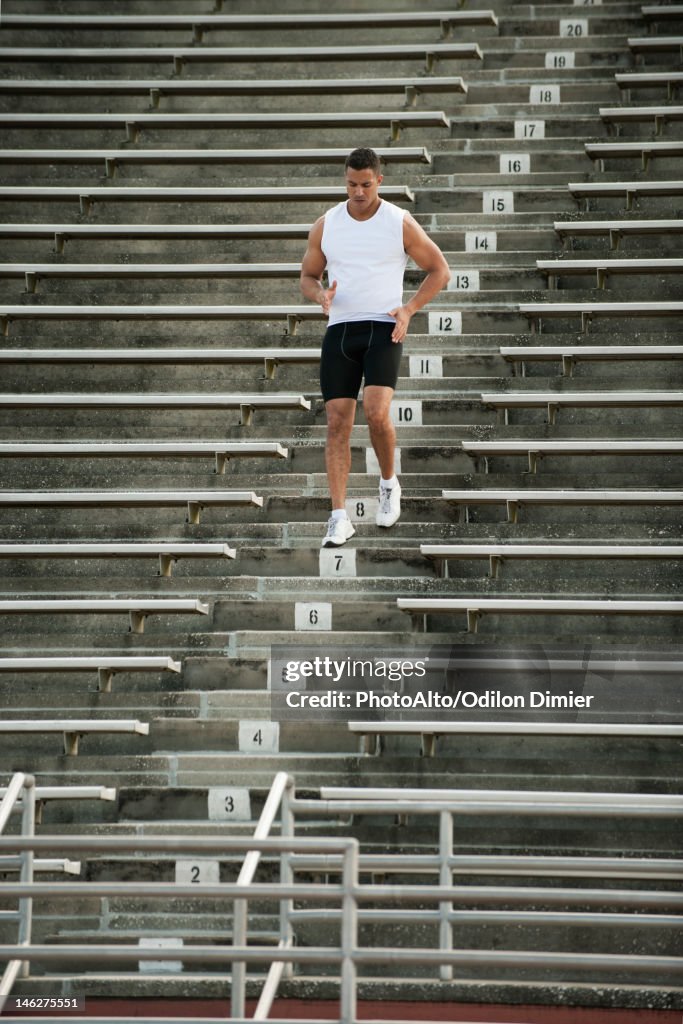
{"x":537,"y":449}
{"x":603,"y":151}
{"x":111,"y":158}
{"x":514,"y":499}
{"x":135,"y":123}
{"x":556,"y":269}
{"x":131,"y":400}
{"x":655,"y":44}
{"x":106,"y":667}
{"x":201,"y":23}
{"x":138,"y":608}
{"x":371,"y":735}
{"x":73,"y":729}
{"x":587,"y":311}
{"x":569,"y":355}
{"x":631,"y":190}
{"x":222,"y":451}
{"x":662,"y":12}
{"x":412,"y":87}
{"x":475,"y":607}
{"x":430,"y":53}
{"x":33,"y":272}
{"x":194,"y":500}
{"x":291,"y":314}
{"x":88,"y":197}
{"x":168,"y":552}
{"x":497,"y":554}
{"x":617,"y":229}
{"x":635,"y":115}
{"x":631,"y":80}
{"x":62,"y":233}
{"x":552,"y":401}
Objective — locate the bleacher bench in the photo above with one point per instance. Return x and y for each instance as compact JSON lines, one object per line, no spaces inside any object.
{"x":650,"y":79}
{"x":411,"y":87}
{"x":552,"y":401}
{"x":201,"y":23}
{"x":616,"y":229}
{"x":245,"y":403}
{"x":556,"y":269}
{"x":138,"y":608}
{"x":372,"y":734}
{"x":135,"y":123}
{"x":535,"y":312}
{"x":195,"y":501}
{"x":179,"y":56}
{"x":497,"y":554}
{"x":111,"y":158}
{"x":89,"y":197}
{"x":73,"y":729}
{"x":630,"y":190}
{"x":662,"y":12}
{"x":105,"y":667}
{"x":535,"y":450}
{"x":603,"y":151}
{"x":514,"y":498}
{"x":221,"y":451}
{"x":270,"y":357}
{"x":62,"y":233}
{"x":642,"y":45}
{"x":569,"y":355}
{"x":167,"y":552}
{"x":34,"y":272}
{"x":476,"y":607}
{"x":615,"y":116}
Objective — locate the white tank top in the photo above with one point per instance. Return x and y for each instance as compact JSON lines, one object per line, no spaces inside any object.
{"x":367,"y":260}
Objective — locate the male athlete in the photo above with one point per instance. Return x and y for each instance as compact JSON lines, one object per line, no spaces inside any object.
{"x":364,"y":244}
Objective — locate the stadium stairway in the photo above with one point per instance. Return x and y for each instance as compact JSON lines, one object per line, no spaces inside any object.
{"x":493,"y":190}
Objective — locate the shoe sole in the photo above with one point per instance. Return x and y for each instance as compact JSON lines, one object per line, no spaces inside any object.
{"x":331,"y":544}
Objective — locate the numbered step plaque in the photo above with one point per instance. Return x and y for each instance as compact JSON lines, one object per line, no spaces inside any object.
{"x":445,"y":322}
{"x":464,"y":281}
{"x":337,"y":563}
{"x":481,"y":241}
{"x":229,"y":803}
{"x":364,"y":510}
{"x":406,"y":413}
{"x":197,"y":872}
{"x":160,"y":966}
{"x":372,"y":468}
{"x":425,"y":366}
{"x":312,"y":615}
{"x":587,"y":3}
{"x":529,"y":129}
{"x":515,"y":163}
{"x":498,"y":202}
{"x":573,"y":28}
{"x":259,"y":736}
{"x":560,"y":59}
{"x":544,"y":94}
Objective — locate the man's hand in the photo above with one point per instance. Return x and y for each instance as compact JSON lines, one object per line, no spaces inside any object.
{"x":403,"y":318}
{"x":327,"y":297}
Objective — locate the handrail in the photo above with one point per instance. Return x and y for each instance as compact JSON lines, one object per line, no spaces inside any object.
{"x":280,"y":785}
{"x":20,"y":794}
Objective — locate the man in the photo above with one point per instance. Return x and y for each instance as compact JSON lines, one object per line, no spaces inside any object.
{"x":364,"y":244}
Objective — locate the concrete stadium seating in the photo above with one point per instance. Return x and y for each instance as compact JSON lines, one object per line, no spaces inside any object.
{"x":160,"y":398}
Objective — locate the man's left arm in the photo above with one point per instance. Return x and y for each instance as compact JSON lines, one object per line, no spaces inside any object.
{"x":428,"y":257}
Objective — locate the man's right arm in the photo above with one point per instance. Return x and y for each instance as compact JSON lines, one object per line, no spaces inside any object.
{"x":312,"y":270}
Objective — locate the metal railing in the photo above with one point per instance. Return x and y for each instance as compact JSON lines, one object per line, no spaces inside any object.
{"x":346,"y":903}
{"x":19,"y":797}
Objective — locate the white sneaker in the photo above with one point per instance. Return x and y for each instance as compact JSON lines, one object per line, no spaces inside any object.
{"x":338,"y":532}
{"x":389,"y":505}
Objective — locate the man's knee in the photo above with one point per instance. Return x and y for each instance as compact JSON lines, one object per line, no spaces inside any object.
{"x":340,"y":416}
{"x":377,"y":415}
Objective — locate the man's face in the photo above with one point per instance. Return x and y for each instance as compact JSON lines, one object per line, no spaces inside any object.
{"x":362,"y":188}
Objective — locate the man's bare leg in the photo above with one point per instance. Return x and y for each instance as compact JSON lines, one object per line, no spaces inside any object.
{"x":377,"y":407}
{"x":340,"y":415}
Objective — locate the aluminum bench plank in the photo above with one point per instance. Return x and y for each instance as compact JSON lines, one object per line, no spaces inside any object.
{"x":160,"y":355}
{"x":602,"y":268}
{"x":618,"y":227}
{"x":167,"y":552}
{"x":661,"y":113}
{"x":536,"y":449}
{"x":515,"y":499}
{"x":33,"y":272}
{"x":73,"y":729}
{"x":535,"y":311}
{"x":533,"y":399}
{"x":138,"y":608}
{"x":262,"y":22}
{"x":126,"y":231}
{"x":220,"y":450}
{"x":134,"y":400}
{"x":654,"y":44}
{"x":629,"y":189}
{"x":476,"y":606}
{"x":194,"y":500}
{"x":159,"y":88}
{"x":87,"y":197}
{"x":568,"y":355}
{"x":106,"y":667}
{"x":603,"y":151}
{"x":498,"y":554}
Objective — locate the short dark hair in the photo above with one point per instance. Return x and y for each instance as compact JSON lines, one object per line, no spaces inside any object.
{"x":362,"y":158}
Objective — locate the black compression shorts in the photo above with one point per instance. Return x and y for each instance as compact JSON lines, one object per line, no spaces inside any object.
{"x":357,"y":349}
